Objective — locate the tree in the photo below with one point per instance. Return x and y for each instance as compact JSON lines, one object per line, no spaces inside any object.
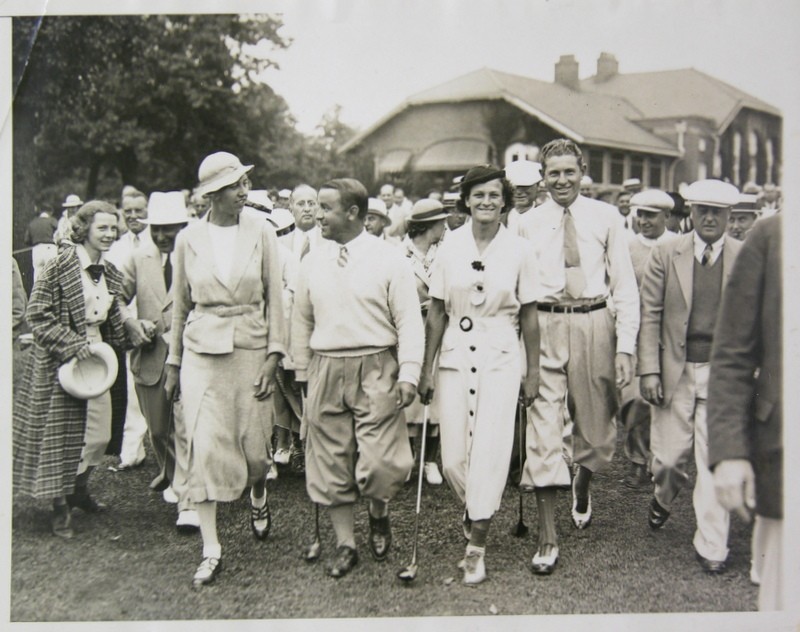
{"x":103,"y":101}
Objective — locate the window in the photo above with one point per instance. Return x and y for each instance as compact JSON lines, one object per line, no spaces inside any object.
{"x":656,"y":172}
{"x":701,"y":145}
{"x":637,"y":167}
{"x":596,"y":165}
{"x":617,"y":167}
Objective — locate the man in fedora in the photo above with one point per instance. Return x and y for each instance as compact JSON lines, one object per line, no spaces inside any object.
{"x":743,"y":216}
{"x":147,"y":278}
{"x":377,"y":221}
{"x":682,"y":289}
{"x":71,"y":204}
{"x":356,"y":325}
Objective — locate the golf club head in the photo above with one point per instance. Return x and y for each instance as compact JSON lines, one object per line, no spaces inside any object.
{"x":521,"y":530}
{"x":407,"y":574}
{"x":312,"y":551}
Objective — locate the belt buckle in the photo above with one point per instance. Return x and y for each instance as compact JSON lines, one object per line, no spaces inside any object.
{"x":465,"y":323}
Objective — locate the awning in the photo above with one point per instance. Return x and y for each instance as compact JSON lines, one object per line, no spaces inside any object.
{"x":453,"y":155}
{"x":394,"y":161}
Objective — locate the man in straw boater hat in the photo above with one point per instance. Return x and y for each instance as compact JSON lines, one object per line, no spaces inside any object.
{"x":651,"y":208}
{"x":682,"y":289}
{"x":147,"y":279}
{"x":357,"y":338}
{"x":743,"y":216}
{"x":586,"y":352}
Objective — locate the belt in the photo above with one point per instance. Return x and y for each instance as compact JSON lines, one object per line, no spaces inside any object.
{"x":570,"y":309}
{"x":226,"y":311}
{"x":483,"y":323}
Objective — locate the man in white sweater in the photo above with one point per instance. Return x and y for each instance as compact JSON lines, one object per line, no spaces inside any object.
{"x":358,"y":340}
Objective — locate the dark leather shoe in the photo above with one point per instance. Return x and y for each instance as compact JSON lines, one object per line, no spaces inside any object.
{"x":346,"y":559}
{"x":380,"y":537}
{"x":657,"y":516}
{"x":637,"y":476}
{"x":258,"y":517}
{"x":82,"y":500}
{"x":712,"y":567}
{"x":62,"y":522}
{"x":159,"y":484}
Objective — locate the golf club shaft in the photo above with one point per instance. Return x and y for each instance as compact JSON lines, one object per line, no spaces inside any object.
{"x":419,"y":482}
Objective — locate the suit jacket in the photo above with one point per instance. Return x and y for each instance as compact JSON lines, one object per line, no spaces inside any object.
{"x":744,"y":391}
{"x":143,"y":278}
{"x":666,"y":302}
{"x":213,"y":316}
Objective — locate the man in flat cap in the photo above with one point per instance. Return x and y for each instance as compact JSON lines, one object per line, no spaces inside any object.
{"x":525,"y":176}
{"x":652,"y":209}
{"x":586,"y":351}
{"x":358,"y":339}
{"x":682,"y":289}
{"x":743,"y":216}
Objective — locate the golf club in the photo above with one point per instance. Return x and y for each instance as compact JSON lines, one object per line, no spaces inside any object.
{"x":312,"y":551}
{"x":409,"y":573}
{"x":521,"y":530}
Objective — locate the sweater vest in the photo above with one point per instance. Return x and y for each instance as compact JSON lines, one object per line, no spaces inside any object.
{"x":706,"y":295}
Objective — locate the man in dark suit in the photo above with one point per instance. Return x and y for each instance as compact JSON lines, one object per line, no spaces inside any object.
{"x":745,"y":402}
{"x":147,"y":275}
{"x":680,"y":296}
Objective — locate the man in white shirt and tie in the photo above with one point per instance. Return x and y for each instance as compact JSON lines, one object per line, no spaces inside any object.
{"x":303,"y":205}
{"x":134,"y":209}
{"x":682,"y":289}
{"x":585,"y":350}
{"x":358,"y":340}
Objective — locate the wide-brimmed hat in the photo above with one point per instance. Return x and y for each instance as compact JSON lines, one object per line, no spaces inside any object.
{"x":427,"y":210}
{"x":90,"y":378}
{"x":378,"y":207}
{"x":632,"y":184}
{"x":712,"y":193}
{"x":653,"y":200}
{"x":72,"y":200}
{"x":165,"y":208}
{"x":449,"y":199}
{"x":523,"y":173}
{"x":219,"y":170}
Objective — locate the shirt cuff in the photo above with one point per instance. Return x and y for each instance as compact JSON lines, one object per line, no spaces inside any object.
{"x":626,"y":344}
{"x":300,"y":375}
{"x":409,"y":372}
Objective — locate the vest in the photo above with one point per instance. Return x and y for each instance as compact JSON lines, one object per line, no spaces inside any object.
{"x":706,"y":295}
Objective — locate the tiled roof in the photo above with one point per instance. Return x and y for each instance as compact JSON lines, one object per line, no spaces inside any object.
{"x":601,"y":113}
{"x":679,"y":93}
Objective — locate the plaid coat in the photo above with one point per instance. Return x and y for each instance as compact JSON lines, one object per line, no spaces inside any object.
{"x":48,"y":423}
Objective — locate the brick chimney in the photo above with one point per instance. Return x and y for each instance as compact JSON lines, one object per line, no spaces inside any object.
{"x":607,"y":67}
{"x":567,"y":72}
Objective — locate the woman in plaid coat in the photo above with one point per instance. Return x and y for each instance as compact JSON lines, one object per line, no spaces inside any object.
{"x":58,"y":439}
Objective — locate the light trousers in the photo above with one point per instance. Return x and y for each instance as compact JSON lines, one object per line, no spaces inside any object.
{"x":678,"y":430}
{"x":768,"y":562}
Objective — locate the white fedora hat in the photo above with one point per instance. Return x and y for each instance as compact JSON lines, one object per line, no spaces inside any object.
{"x":72,"y":200}
{"x":378,"y":207}
{"x":523,"y":173}
{"x":86,"y":379}
{"x":219,"y":170}
{"x":166,"y":208}
{"x":259,"y":204}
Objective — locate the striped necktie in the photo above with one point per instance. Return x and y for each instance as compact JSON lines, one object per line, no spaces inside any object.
{"x":706,"y":258}
{"x":343,"y":257}
{"x":306,"y":245}
{"x":575,"y":279}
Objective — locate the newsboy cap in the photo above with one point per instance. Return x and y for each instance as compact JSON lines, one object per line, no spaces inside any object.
{"x":712,"y":193}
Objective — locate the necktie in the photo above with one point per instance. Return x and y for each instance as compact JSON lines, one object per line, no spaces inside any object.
{"x":306,"y":245}
{"x":575,"y":279}
{"x":168,"y":273}
{"x":96,"y":271}
{"x":706,"y":258}
{"x":343,"y":256}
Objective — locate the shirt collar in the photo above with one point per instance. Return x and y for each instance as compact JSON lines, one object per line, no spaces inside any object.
{"x":700,"y":245}
{"x":84,"y":258}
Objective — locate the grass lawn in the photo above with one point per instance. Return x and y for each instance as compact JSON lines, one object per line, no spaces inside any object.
{"x":130,"y":564}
